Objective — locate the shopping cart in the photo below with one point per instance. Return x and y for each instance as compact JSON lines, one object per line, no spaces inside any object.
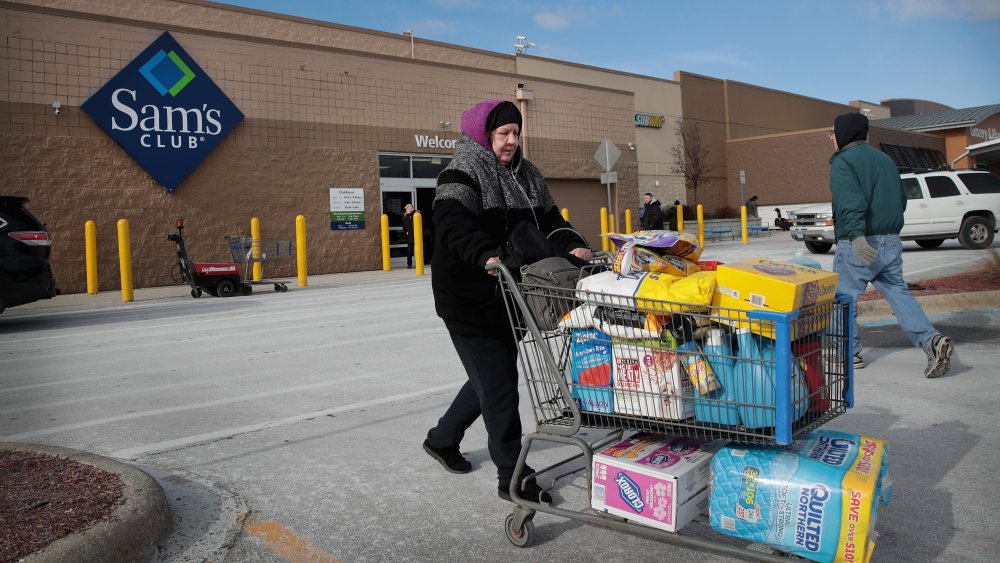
{"x":811,"y":348}
{"x":246,"y":250}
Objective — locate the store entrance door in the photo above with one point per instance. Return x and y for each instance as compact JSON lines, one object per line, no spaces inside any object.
{"x":393,"y":204}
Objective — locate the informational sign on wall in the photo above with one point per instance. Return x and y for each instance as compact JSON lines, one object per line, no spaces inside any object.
{"x":347,"y":209}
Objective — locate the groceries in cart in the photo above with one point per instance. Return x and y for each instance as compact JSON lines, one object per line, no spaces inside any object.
{"x":590,"y":370}
{"x":657,"y":480}
{"x":818,"y":499}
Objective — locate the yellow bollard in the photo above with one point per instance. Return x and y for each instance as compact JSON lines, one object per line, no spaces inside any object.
{"x":90,"y":245}
{"x":125,"y":261}
{"x":628,"y":221}
{"x":604,"y":228}
{"x":386,"y":260}
{"x":418,"y":242}
{"x":300,"y":249}
{"x":255,"y":248}
{"x":565,"y":213}
{"x":701,"y":226}
{"x":743,"y":223}
{"x":680,"y":218}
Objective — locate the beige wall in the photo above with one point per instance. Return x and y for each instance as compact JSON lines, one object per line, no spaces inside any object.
{"x":653,"y":96}
{"x":316,"y":117}
{"x":794,"y":168}
{"x":727,"y":111}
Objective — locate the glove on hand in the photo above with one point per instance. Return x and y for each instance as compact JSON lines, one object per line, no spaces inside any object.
{"x":864,"y":251}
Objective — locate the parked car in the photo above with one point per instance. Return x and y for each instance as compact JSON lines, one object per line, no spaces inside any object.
{"x":944,"y":204}
{"x":25,"y":274}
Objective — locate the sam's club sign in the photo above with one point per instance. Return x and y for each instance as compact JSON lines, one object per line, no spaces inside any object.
{"x":164,"y":111}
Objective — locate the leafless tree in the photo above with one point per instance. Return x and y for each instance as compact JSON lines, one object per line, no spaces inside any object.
{"x":690,"y":155}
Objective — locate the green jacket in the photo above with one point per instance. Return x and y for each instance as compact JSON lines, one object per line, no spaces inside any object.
{"x":868,"y":196}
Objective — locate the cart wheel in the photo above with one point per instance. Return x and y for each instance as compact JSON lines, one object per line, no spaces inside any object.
{"x":284,"y":288}
{"x":196,"y":292}
{"x":277,"y":287}
{"x":522,"y":537}
{"x":226,"y":288}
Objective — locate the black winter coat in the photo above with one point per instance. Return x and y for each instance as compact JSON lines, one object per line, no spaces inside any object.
{"x":478,"y":203}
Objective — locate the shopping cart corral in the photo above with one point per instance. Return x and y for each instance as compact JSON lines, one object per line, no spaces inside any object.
{"x":250,"y":252}
{"x":810,"y":348}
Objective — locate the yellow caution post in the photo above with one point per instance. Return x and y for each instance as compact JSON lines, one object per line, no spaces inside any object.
{"x":386,"y":261}
{"x":680,"y":218}
{"x":125,"y":261}
{"x":90,"y":246}
{"x":604,"y":229}
{"x":628,"y":221}
{"x":418,"y":242}
{"x":743,"y":223}
{"x":701,"y":226}
{"x":255,"y":249}
{"x":565,"y":213}
{"x":300,"y":249}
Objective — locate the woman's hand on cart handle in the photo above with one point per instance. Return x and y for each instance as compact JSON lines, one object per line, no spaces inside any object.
{"x":582,"y":253}
{"x":490,"y":271}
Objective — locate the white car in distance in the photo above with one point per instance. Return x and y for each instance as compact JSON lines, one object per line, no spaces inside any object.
{"x":941,"y":204}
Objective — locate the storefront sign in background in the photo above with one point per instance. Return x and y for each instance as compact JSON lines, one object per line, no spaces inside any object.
{"x":164,"y":111}
{"x":347,"y":209}
{"x":646,"y":120}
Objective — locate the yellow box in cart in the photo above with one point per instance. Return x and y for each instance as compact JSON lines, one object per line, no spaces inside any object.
{"x":762,"y":284}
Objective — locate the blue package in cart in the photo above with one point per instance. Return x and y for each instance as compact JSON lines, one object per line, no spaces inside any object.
{"x":590,"y":369}
{"x":817,"y":500}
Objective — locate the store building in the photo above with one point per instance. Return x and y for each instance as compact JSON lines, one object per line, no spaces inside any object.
{"x":153,"y":110}
{"x":324,"y":107}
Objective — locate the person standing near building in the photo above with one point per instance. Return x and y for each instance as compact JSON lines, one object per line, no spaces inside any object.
{"x":408,"y":212}
{"x":482,"y":195}
{"x":868,"y":204}
{"x":752,"y":207}
{"x":650,"y":216}
{"x":672,"y":215}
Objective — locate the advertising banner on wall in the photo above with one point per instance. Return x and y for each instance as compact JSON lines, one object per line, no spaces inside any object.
{"x":347,"y":209}
{"x":164,"y":111}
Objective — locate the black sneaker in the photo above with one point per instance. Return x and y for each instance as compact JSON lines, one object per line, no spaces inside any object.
{"x":859,"y":363}
{"x":939,"y":358}
{"x":530,"y":491}
{"x":450,"y":458}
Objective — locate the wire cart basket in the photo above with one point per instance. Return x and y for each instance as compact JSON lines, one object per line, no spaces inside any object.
{"x":806,"y":356}
{"x":251,"y":252}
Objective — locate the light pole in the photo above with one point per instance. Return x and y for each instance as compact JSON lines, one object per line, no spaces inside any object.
{"x":409,"y":32}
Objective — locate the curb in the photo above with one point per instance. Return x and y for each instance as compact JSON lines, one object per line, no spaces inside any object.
{"x":936,"y":305}
{"x":138,"y":525}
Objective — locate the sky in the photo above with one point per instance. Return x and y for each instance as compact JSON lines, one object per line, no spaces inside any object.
{"x":947,"y":51}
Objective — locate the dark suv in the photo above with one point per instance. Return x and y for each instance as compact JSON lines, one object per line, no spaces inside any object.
{"x":25,"y":275}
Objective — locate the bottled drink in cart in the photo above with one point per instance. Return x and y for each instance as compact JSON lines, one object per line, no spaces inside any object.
{"x":722,"y":409}
{"x":699,"y":371}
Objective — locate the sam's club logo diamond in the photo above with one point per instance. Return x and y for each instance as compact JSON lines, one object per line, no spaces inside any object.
{"x":164,"y":69}
{"x":164,"y":111}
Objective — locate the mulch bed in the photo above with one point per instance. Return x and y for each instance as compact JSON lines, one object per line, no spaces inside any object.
{"x":961,"y":283}
{"x":44,"y":498}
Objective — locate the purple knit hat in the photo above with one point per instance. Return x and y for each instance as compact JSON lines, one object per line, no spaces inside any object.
{"x":474,"y":121}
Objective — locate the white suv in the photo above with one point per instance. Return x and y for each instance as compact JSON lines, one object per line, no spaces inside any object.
{"x":961,"y":204}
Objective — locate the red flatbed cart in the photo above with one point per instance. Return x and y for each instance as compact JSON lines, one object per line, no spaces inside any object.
{"x":218,"y":279}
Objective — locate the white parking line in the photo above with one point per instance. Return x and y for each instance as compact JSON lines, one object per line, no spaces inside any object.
{"x":136,"y":452}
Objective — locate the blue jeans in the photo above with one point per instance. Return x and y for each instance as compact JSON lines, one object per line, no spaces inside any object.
{"x":886,"y":274}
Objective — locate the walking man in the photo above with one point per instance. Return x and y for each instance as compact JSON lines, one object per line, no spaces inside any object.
{"x":868,"y":204}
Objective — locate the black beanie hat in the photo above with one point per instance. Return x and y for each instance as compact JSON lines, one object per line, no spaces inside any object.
{"x":502,"y":114}
{"x":850,"y":127}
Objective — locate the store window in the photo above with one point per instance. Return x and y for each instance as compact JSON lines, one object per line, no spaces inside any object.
{"x":393,"y":166}
{"x":429,"y":166}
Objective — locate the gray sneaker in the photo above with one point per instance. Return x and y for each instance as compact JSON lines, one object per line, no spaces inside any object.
{"x":859,"y":363}
{"x":939,"y":356}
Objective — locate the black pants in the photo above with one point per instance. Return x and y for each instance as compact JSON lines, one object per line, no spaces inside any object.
{"x":491,"y":365}
{"x":409,"y":254}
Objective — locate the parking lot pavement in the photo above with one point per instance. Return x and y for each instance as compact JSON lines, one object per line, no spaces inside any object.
{"x":300,"y":415}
